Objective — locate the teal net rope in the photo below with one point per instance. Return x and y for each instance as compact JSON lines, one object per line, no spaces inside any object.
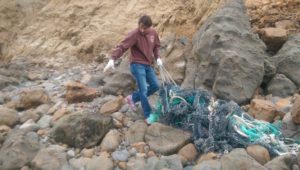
{"x":216,"y":126}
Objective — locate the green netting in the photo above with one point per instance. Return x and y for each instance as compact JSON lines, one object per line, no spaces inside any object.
{"x":216,"y":125}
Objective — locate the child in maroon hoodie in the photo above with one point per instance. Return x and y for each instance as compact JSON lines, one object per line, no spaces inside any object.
{"x":144,"y":46}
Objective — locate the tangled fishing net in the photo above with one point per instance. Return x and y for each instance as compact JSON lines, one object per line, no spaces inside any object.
{"x":216,"y":125}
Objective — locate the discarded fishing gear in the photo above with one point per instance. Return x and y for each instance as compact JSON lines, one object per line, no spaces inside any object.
{"x":216,"y":126}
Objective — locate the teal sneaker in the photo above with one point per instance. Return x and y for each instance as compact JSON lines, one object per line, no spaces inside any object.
{"x":152,"y":118}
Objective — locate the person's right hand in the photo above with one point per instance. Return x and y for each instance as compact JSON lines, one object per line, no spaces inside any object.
{"x":109,"y":65}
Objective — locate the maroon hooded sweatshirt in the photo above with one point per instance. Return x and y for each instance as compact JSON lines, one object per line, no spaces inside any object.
{"x":144,"y":47}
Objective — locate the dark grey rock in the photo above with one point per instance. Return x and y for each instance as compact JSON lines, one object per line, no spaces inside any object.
{"x":230,"y":57}
{"x":288,"y":60}
{"x":270,"y":70}
{"x":281,"y":86}
{"x":119,"y":83}
{"x":81,"y":129}
{"x":290,"y":129}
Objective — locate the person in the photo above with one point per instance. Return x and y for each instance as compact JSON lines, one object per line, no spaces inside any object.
{"x":144,"y":47}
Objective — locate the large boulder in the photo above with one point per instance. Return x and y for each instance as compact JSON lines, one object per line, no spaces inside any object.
{"x":230,"y":57}
{"x":288,"y":61}
{"x":81,"y":129}
{"x":166,"y":139}
{"x":18,"y":149}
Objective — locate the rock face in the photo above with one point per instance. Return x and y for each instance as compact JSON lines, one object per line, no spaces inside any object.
{"x":165,"y":139}
{"x":86,"y":29}
{"x":287,"y":59}
{"x":279,"y":13}
{"x":18,"y":150}
{"x":81,"y":129}
{"x":230,"y":57}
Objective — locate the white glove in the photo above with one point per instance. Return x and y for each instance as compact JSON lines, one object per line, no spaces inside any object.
{"x":159,"y":62}
{"x":109,"y":65}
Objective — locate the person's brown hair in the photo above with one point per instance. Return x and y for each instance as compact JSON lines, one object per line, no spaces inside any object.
{"x":145,"y":20}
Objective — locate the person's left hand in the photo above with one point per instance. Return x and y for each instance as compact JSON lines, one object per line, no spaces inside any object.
{"x":109,"y":65}
{"x":159,"y":62}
